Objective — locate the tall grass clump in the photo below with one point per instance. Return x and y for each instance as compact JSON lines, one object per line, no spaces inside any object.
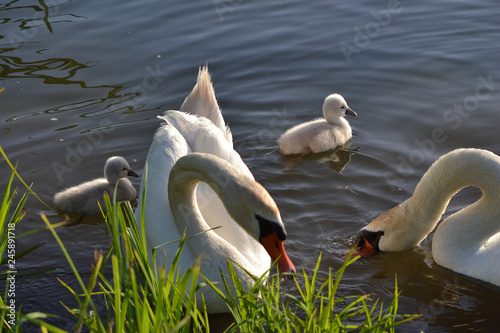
{"x":11,"y":316}
{"x":8,"y":255}
{"x":141,"y":298}
{"x":314,"y":307}
{"x":10,"y":216}
{"x":138,"y":296}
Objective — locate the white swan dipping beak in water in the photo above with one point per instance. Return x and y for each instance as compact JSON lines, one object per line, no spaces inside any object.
{"x":197,"y":182}
{"x":468,"y":241}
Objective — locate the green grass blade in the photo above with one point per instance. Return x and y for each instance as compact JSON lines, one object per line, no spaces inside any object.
{"x":70,"y":262}
{"x":20,"y":178}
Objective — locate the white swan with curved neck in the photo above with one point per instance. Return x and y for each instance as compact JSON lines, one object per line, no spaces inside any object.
{"x":191,"y":156}
{"x":468,"y":241}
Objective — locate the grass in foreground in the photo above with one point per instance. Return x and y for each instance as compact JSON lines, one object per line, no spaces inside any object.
{"x":142,"y":298}
{"x":10,"y":216}
{"x":266,"y":308}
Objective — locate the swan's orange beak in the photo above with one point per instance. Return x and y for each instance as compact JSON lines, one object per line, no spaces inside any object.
{"x":276,"y":250}
{"x":364,"y":250}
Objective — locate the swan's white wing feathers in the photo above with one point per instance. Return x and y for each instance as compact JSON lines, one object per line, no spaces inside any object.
{"x":201,"y":135}
{"x":167,"y":147}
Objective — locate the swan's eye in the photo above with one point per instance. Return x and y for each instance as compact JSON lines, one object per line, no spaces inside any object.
{"x":343,"y":107}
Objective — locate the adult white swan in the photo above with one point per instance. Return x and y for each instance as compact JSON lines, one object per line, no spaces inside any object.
{"x":193,"y":154}
{"x":468,"y":241}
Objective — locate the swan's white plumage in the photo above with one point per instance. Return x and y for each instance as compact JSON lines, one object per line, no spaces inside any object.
{"x":321,"y":134}
{"x":200,"y":128}
{"x":468,"y":241}
{"x":183,"y":134}
{"x":82,"y":199}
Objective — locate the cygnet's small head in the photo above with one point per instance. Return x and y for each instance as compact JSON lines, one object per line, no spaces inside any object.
{"x":117,"y":168}
{"x":336,"y":107}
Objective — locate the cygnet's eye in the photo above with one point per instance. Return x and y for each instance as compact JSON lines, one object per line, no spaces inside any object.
{"x":343,"y":107}
{"x":124,"y":169}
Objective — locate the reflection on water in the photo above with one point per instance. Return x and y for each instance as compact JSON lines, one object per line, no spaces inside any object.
{"x":84,"y":82}
{"x":337,"y":158}
{"x":30,"y":23}
{"x":57,"y":71}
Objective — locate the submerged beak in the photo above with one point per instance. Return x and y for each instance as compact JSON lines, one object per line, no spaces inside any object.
{"x":276,"y":250}
{"x":365,"y":250}
{"x":351,"y":112}
{"x":131,"y":173}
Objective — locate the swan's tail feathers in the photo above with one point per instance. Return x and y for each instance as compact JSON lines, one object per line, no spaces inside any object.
{"x":202,"y":102}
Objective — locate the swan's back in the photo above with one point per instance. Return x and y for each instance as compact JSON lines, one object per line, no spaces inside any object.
{"x":202,"y":136}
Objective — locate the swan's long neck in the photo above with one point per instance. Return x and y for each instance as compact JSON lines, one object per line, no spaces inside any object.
{"x":245,"y":200}
{"x":447,"y":176}
{"x":223,"y":178}
{"x":182,"y":198}
{"x":407,"y":224}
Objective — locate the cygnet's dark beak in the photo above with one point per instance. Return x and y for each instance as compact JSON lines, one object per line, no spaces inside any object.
{"x":351,"y":112}
{"x":131,"y":173}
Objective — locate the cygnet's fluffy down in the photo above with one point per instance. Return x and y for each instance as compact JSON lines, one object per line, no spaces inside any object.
{"x":322,"y":134}
{"x":82,"y":199}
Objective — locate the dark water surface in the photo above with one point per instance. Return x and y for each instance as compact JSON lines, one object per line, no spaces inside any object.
{"x":84,"y":80}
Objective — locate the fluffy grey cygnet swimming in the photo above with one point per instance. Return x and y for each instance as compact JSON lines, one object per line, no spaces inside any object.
{"x":82,"y":199}
{"x":322,"y":134}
